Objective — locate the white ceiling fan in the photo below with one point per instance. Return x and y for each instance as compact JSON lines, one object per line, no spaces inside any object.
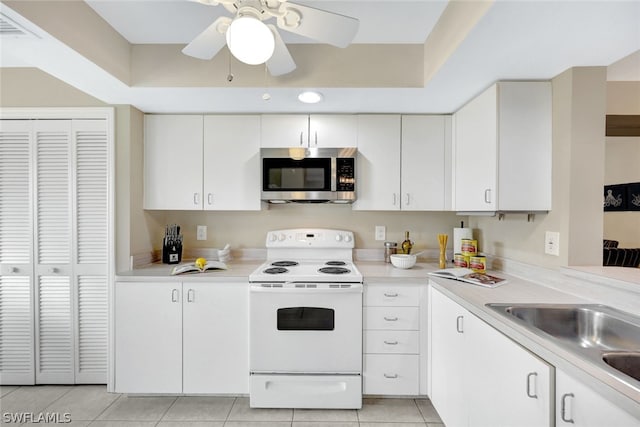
{"x":265,"y":44}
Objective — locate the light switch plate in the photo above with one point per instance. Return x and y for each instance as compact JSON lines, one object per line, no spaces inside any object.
{"x":381,"y":232}
{"x":552,"y":243}
{"x":201,"y":233}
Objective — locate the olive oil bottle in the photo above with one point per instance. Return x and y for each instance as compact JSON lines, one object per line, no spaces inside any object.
{"x":407,"y":244}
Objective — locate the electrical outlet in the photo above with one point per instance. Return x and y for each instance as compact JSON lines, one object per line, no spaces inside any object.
{"x":552,"y":243}
{"x":381,"y":232}
{"x":201,"y":233}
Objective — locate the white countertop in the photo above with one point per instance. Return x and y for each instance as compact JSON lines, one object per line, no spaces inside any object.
{"x":237,"y":271}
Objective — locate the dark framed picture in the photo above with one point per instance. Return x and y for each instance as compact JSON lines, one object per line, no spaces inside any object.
{"x":633,"y":196}
{"x":615,"y":198}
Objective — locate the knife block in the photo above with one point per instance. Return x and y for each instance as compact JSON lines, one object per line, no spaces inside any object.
{"x":172,"y":253}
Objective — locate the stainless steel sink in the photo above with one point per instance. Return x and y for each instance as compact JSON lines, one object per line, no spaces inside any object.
{"x":606,"y":336}
{"x":623,"y":361}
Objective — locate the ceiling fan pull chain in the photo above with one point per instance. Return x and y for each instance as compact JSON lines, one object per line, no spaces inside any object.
{"x":230,"y":75}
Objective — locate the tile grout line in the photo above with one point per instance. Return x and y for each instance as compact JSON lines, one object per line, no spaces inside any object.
{"x":105,"y":409}
{"x":175,"y":399}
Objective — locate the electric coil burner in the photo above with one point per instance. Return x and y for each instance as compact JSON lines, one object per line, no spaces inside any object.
{"x":306,"y":308}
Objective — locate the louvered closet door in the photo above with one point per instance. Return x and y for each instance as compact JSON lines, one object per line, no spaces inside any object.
{"x":91,"y":207}
{"x":16,"y":241}
{"x":54,"y":322}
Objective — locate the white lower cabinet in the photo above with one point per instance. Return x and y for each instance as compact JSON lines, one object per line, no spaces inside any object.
{"x":479,"y":377}
{"x":174,"y":337}
{"x":580,"y":406}
{"x":394,"y":339}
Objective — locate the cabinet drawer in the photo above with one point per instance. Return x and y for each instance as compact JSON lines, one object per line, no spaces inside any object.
{"x":391,"y":374}
{"x":398,"y":342}
{"x":391,"y":295}
{"x":399,"y":318}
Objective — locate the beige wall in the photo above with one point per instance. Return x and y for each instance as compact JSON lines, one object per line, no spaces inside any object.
{"x":579,"y":97}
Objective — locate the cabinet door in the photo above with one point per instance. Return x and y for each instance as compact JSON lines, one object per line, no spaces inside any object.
{"x":378,"y":163}
{"x":333,"y":130}
{"x":148,"y":337}
{"x":232,"y":163}
{"x":16,"y":240}
{"x":448,"y":359}
{"x":425,"y":180}
{"x":580,"y":406}
{"x":475,"y":154}
{"x":173,"y":162}
{"x":507,"y":385}
{"x":524,"y":146}
{"x":284,"y":130}
{"x":216,"y":338}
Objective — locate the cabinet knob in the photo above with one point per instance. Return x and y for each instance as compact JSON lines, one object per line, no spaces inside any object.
{"x":53,"y":270}
{"x":14,"y":270}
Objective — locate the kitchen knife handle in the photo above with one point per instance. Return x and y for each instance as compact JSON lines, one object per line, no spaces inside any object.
{"x":529,"y":376}
{"x":563,"y":410}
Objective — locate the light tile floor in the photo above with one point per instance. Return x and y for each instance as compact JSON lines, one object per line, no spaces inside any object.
{"x":92,"y":405}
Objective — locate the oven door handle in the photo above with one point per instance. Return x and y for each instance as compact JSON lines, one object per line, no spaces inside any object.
{"x":357,"y":289}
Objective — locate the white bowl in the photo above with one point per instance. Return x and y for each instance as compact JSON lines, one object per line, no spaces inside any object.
{"x":403,"y":260}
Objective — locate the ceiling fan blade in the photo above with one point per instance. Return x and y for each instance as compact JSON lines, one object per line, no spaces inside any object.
{"x":321,"y":25}
{"x":210,"y":41}
{"x":281,"y":62}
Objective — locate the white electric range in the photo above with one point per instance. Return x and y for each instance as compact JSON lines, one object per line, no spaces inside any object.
{"x":306,"y":322}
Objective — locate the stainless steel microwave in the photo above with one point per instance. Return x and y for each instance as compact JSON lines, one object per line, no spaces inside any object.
{"x":311,"y":175}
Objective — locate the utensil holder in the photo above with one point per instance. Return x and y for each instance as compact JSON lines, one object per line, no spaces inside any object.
{"x":172,"y":253}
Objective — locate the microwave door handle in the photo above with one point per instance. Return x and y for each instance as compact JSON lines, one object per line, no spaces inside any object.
{"x":334,"y":169}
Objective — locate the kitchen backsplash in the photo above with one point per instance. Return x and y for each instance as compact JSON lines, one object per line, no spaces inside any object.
{"x":248,"y":229}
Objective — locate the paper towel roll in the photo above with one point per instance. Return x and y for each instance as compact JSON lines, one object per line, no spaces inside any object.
{"x":458,"y":235}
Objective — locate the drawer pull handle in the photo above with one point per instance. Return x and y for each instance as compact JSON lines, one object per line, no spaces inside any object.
{"x":391,"y":342}
{"x":390,"y":319}
{"x":393,"y":295}
{"x":174,"y":295}
{"x":531,"y":395}
{"x":391,"y":376}
{"x":563,"y":411}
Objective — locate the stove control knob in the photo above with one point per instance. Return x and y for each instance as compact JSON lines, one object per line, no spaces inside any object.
{"x":347,"y":238}
{"x":272,"y":237}
{"x":339,"y":237}
{"x":281,"y":237}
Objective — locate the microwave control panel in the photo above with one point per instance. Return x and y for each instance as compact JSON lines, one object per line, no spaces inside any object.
{"x":345,"y":174}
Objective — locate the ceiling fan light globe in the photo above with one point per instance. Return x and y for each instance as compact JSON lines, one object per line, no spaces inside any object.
{"x":250,"y":40}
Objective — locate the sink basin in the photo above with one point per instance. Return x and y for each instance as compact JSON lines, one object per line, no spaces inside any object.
{"x":626,"y":362}
{"x":588,"y":326}
{"x":608,"y":337}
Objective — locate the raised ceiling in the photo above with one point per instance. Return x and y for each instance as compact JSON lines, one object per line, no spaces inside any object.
{"x":408,"y":57}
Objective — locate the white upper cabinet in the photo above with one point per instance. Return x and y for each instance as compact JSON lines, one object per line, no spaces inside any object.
{"x":502,"y":149}
{"x":318,"y":130}
{"x":231,"y":163}
{"x":202,"y":162}
{"x":426,"y":158}
{"x":173,"y":162}
{"x":378,"y":163}
{"x":403,"y":163}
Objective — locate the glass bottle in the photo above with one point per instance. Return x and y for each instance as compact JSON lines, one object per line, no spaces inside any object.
{"x":407,"y":244}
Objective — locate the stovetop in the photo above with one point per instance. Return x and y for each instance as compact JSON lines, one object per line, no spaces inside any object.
{"x":324,"y":271}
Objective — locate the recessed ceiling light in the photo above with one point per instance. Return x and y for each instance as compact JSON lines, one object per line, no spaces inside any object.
{"x":310,"y":97}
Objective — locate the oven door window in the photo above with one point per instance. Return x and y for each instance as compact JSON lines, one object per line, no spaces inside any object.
{"x":306,"y":319}
{"x":296,"y":175}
